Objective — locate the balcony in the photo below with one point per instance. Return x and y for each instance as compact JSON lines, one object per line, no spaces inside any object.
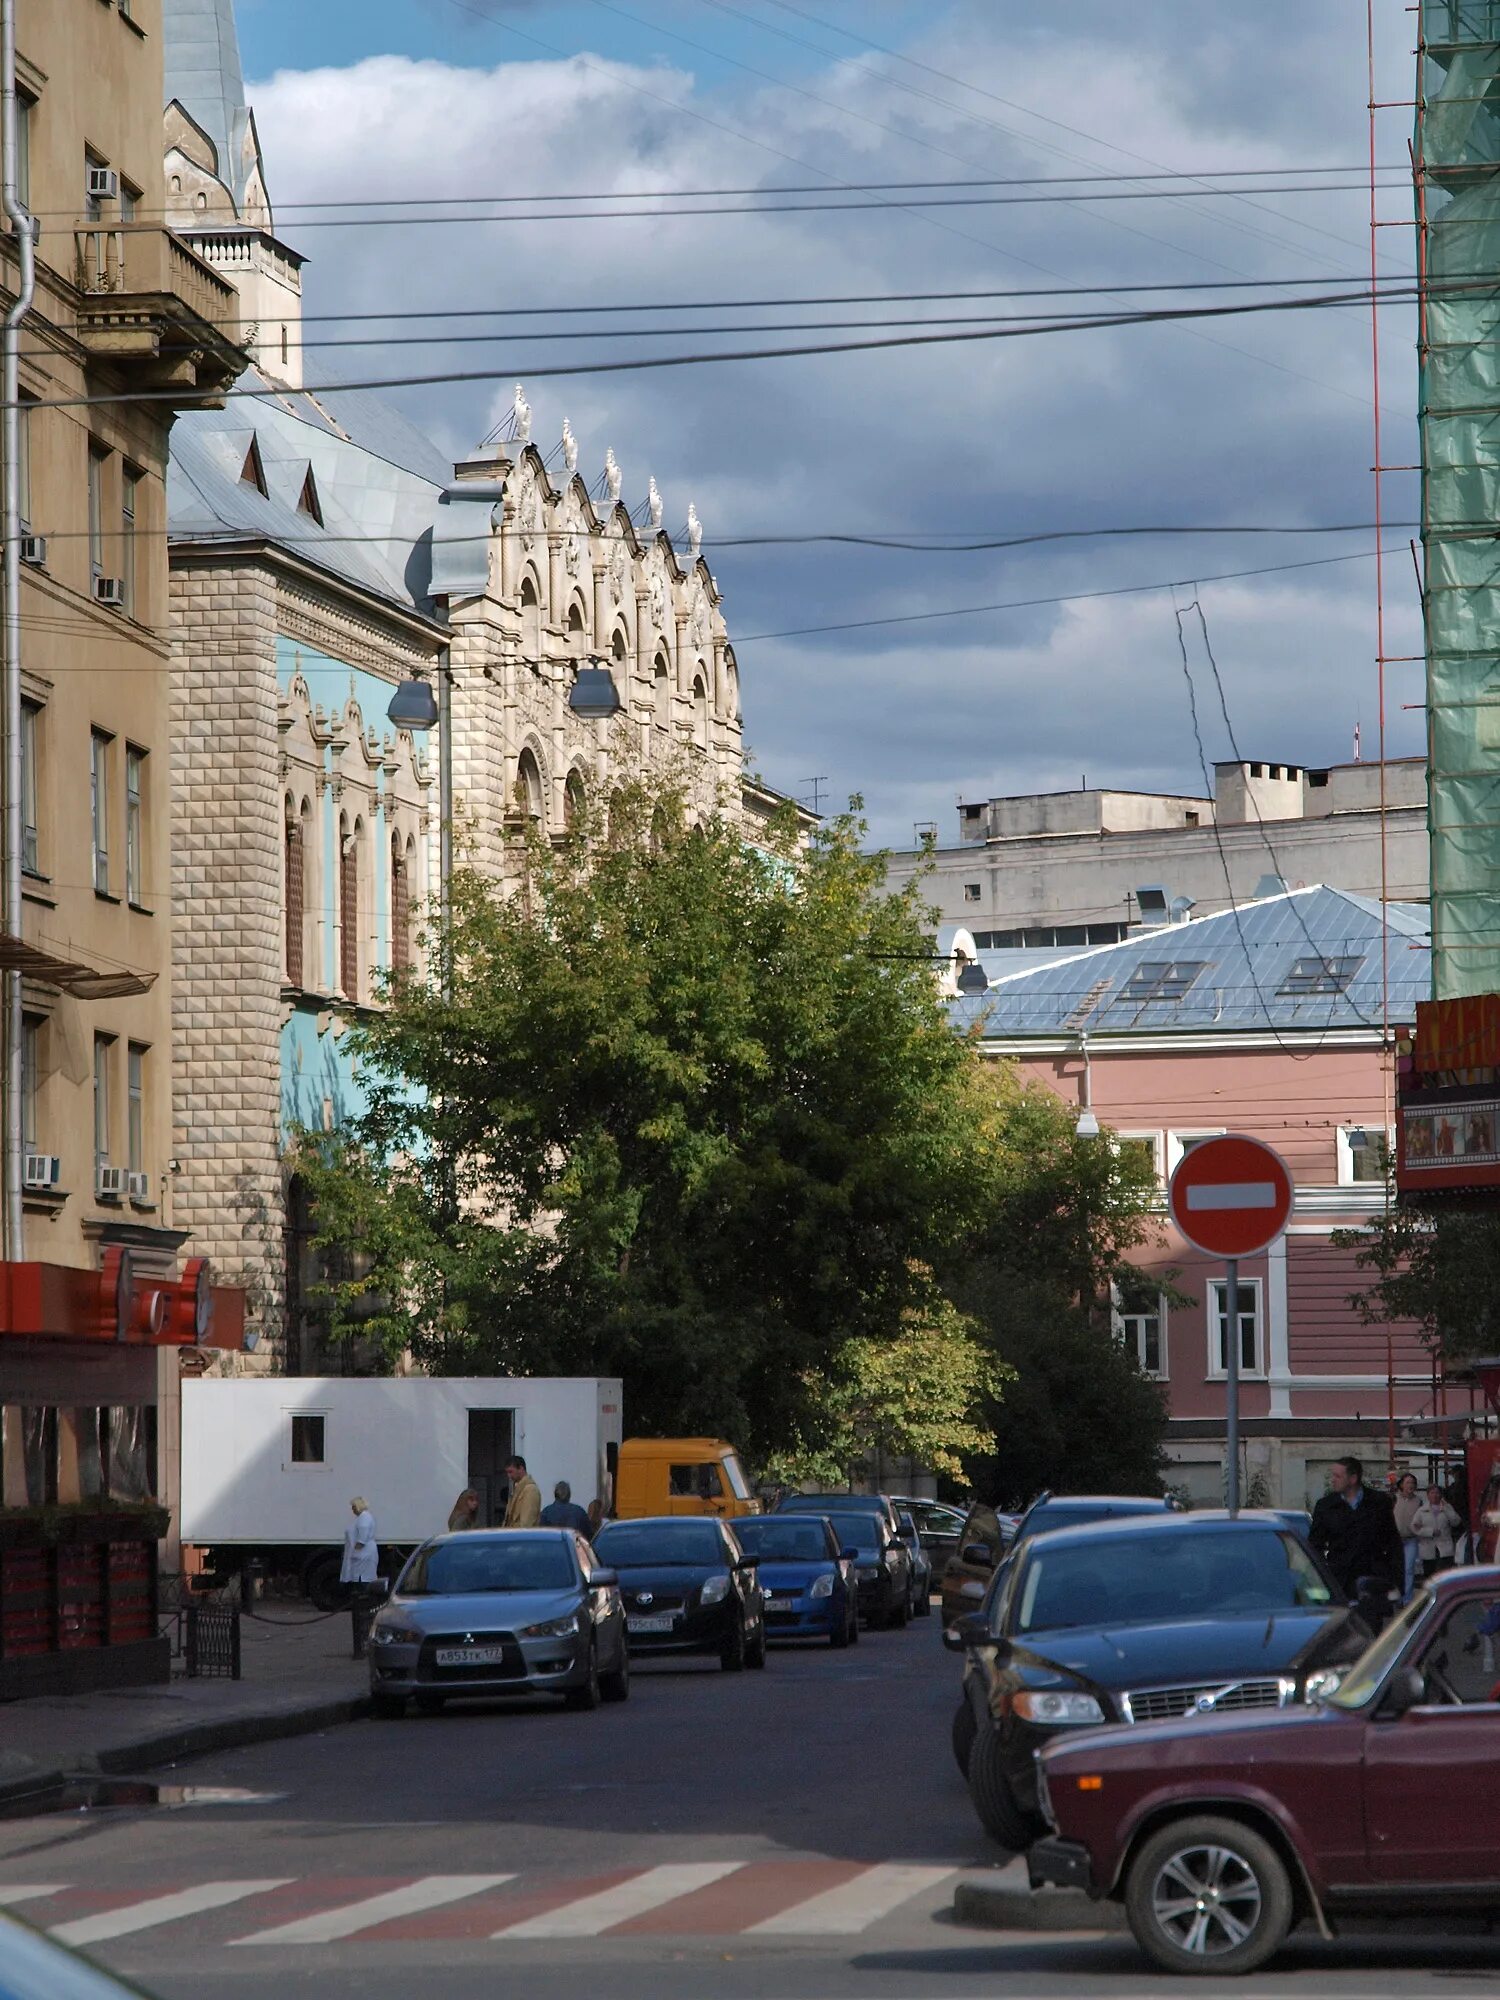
{"x":150,"y":305}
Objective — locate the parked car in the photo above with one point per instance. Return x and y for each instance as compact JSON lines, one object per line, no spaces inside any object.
{"x":500,"y":1612}
{"x":990,"y":1538}
{"x":938,"y":1524}
{"x":807,"y":1576}
{"x":839,"y":1503}
{"x":882,"y":1565}
{"x":688,"y":1587}
{"x":921,"y":1564}
{"x":1130,"y":1620}
{"x":1219,"y":1835}
{"x":35,"y":1967}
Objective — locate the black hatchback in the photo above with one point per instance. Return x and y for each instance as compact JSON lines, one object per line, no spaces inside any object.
{"x":688,"y":1587}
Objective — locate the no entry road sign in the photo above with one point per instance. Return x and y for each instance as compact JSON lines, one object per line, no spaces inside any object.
{"x":1231,"y":1196}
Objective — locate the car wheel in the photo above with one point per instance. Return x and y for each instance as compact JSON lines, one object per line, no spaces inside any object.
{"x":430,"y":1704}
{"x":732,"y":1656}
{"x":388,"y":1707}
{"x":755,"y":1650}
{"x":320,"y":1579}
{"x":589,"y":1695}
{"x":615,"y":1685}
{"x":993,"y":1798}
{"x":964,"y":1730}
{"x":1208,"y":1896}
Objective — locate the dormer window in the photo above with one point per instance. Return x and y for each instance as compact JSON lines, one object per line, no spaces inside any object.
{"x":253,"y":472}
{"x":307,"y":499}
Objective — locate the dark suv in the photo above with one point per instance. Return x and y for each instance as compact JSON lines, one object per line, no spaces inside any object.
{"x":988,"y":1537}
{"x":1220,"y":1834}
{"x":1130,"y":1620}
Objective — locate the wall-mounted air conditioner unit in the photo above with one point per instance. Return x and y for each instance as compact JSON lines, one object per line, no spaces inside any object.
{"x":104,"y":184}
{"x":109,"y":590}
{"x":109,"y":1183}
{"x":34,"y":550}
{"x":140,"y":1186}
{"x":42,"y":1170}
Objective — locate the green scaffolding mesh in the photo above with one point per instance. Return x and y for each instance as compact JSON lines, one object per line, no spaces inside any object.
{"x":1458,"y":147}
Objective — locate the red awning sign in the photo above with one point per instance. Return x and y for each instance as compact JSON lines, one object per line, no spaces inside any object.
{"x":1231,"y":1196}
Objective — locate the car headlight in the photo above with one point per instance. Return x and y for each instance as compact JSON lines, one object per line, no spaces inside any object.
{"x":1056,"y":1708}
{"x":396,"y":1635}
{"x":822,"y":1586}
{"x":552,"y":1628}
{"x":1324,"y":1683}
{"x":715,"y":1590}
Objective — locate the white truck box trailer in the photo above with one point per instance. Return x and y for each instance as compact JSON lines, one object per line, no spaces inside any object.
{"x":269,"y":1466}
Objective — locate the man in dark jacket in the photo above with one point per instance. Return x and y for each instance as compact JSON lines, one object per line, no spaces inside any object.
{"x":1354,"y":1530}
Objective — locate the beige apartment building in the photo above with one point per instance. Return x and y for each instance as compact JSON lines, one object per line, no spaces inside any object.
{"x":128,"y":325}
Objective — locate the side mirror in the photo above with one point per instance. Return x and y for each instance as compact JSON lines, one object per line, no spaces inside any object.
{"x":969,"y":1630}
{"x":978,"y":1555}
{"x":605,"y":1579}
{"x":1407,"y":1690}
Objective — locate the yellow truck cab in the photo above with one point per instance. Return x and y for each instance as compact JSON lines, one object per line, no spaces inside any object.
{"x":681,"y":1476}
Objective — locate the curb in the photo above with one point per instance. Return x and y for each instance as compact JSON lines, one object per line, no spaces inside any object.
{"x":1001,"y":1907}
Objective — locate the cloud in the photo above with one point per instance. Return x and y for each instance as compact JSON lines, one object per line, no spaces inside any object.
{"x":1242,"y":420}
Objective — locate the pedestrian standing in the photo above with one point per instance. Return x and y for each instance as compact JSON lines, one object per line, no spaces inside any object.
{"x":1436,"y":1525}
{"x":361,"y":1551}
{"x":524,"y":1508}
{"x":1354,"y":1530}
{"x":563,"y":1512}
{"x":1405,"y":1508}
{"x":465,"y":1511}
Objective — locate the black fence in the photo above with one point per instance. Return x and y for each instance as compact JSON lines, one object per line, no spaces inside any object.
{"x":205,"y":1634}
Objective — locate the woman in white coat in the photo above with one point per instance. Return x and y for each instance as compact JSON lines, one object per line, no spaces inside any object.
{"x":361,"y":1552}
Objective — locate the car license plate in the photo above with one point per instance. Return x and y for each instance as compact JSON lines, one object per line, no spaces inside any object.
{"x":650,"y":1624}
{"x":781,"y":1604}
{"x":470,"y":1656}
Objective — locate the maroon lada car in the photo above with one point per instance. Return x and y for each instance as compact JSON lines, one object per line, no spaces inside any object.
{"x":1220,"y":1832}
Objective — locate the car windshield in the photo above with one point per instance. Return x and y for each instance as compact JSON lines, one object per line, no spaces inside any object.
{"x":781,"y":1540}
{"x":734,"y":1472}
{"x":857,"y":1531}
{"x":471,"y":1564}
{"x":678,"y":1545}
{"x":1149,"y":1579}
{"x":1374,"y":1663}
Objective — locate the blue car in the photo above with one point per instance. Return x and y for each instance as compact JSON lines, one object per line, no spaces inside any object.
{"x":806,"y":1575}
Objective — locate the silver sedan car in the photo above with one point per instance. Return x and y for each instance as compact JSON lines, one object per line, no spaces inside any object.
{"x":503,"y":1611}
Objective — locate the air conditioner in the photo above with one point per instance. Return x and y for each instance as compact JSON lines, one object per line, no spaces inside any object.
{"x":140,"y":1186}
{"x":109,"y":590}
{"x":42,"y":1170}
{"x":104,"y":184}
{"x":34,"y":550}
{"x":109,"y":1182}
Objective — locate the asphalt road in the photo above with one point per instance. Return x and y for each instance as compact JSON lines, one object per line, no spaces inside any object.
{"x":792,"y":1835}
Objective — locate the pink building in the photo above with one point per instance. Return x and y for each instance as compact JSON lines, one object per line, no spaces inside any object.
{"x":1266,"y":1020}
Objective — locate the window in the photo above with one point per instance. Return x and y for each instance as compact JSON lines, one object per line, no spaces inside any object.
{"x":309,"y":1439}
{"x":97,"y":456}
{"x":100,"y":745}
{"x":129,"y":196}
{"x":1252,"y":1360}
{"x":103,"y":1055}
{"x":129,"y":494}
{"x":973,"y":892}
{"x":400,"y":906}
{"x":23,"y":459}
{"x":25,"y":108}
{"x":1162,"y":978}
{"x":307,"y":501}
{"x":252,"y":472}
{"x":31,"y":722}
{"x":574,"y":801}
{"x":1364,"y":1153}
{"x":531,"y":623}
{"x":1180,"y":1144}
{"x":1320,"y":975}
{"x":349,"y":913}
{"x":1141,"y":1150}
{"x":661,"y":693}
{"x":296,"y":893}
{"x":135,"y":1081}
{"x":1144,"y":1334}
{"x":700,"y":714}
{"x":135,"y":783}
{"x":31,"y":1075}
{"x":528,"y":787}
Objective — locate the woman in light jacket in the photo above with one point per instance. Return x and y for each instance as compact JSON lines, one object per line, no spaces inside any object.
{"x":1406,"y":1506}
{"x":1436,"y":1524}
{"x":361,"y":1552}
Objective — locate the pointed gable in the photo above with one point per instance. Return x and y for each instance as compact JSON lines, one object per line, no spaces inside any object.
{"x":253,"y":471}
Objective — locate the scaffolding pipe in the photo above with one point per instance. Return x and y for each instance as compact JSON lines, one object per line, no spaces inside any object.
{"x":10,"y":651}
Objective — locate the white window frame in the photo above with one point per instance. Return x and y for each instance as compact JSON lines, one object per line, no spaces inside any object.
{"x":1346,"y":1153}
{"x":1213,"y":1294}
{"x":1176,"y":1149}
{"x":1128,"y":1333}
{"x":1157,"y":1142}
{"x":299,"y":1465}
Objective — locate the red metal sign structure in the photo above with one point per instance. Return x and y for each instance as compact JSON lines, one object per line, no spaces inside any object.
{"x":1231,"y":1196}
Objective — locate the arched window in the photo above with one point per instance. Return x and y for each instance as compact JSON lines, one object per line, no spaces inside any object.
{"x":617,"y":649}
{"x":529,"y":787}
{"x":349,"y":843}
{"x":295,"y":893}
{"x":573,"y":801}
{"x":531,"y":622}
{"x":700,"y":713}
{"x":578,"y":638}
{"x":400,"y":904}
{"x":662,"y":693}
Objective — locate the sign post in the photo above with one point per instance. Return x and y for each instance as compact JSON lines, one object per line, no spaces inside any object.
{"x":1231,"y":1197}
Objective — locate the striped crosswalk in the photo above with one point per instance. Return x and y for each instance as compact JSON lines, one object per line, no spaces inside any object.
{"x":782,"y":1898}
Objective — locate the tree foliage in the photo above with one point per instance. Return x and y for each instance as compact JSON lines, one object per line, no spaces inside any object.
{"x":1436,"y":1265}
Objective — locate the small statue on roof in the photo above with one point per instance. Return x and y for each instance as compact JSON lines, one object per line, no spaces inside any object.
{"x":613,"y":477}
{"x":653,"y":502}
{"x":570,"y":447}
{"x":521,"y":412}
{"x":695,"y":531}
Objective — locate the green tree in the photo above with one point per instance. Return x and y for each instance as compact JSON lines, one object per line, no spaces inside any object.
{"x":1436,"y":1265}
{"x":693,"y":1114}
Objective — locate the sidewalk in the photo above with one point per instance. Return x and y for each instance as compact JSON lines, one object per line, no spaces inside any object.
{"x":297,"y":1676}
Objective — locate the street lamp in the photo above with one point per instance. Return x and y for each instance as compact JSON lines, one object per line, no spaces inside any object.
{"x":414,"y":706}
{"x":973,"y":979}
{"x":593,"y":694}
{"x":1088,"y":1124}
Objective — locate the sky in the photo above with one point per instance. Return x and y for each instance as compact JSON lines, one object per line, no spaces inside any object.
{"x":1255,"y":422}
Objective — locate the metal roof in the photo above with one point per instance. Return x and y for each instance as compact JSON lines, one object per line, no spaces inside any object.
{"x":1308,"y":960}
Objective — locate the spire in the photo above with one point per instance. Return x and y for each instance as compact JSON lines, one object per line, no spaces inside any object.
{"x":201,"y":55}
